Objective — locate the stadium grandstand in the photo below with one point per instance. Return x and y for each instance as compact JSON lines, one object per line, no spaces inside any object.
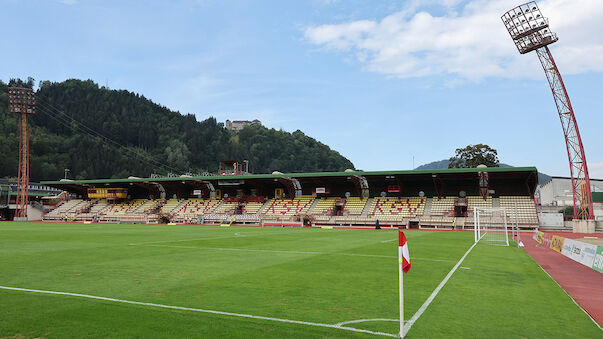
{"x":413,"y":199}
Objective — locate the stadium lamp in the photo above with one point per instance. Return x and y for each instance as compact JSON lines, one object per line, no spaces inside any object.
{"x":528,"y":28}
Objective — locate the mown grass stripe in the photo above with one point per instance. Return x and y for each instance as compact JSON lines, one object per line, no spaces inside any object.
{"x":289,"y":252}
{"x":241,"y":315}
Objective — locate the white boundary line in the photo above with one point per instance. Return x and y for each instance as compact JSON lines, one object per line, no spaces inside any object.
{"x":365,"y":320}
{"x":241,"y":315}
{"x":435,"y":292}
{"x":288,"y":252}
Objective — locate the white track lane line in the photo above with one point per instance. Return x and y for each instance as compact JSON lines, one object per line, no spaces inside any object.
{"x":289,"y":252}
{"x":435,"y":292}
{"x":240,"y":315}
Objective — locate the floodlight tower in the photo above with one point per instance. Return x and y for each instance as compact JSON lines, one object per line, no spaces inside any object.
{"x":530,"y":32}
{"x":22,"y":101}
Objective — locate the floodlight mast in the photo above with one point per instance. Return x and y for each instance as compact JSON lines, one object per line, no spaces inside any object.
{"x":22,"y":101}
{"x":530,"y":32}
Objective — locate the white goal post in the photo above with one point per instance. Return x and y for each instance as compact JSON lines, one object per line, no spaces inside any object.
{"x":490,"y":225}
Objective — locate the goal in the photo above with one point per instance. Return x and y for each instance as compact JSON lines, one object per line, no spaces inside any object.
{"x":491,"y":226}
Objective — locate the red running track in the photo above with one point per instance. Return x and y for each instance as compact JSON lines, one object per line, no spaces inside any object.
{"x":582,"y":283}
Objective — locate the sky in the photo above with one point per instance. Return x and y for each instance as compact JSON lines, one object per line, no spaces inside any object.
{"x":391,"y":85}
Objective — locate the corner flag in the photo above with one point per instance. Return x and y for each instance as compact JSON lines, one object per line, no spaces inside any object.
{"x":404,"y":267}
{"x":403,"y":254}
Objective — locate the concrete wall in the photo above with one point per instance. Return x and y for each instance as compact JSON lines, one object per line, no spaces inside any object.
{"x":33,"y":214}
{"x":551,"y":219}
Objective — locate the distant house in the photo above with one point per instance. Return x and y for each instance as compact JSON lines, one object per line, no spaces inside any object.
{"x":237,"y":125}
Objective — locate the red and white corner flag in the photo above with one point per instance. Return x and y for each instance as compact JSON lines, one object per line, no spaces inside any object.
{"x":404,"y":267}
{"x":403,"y":254}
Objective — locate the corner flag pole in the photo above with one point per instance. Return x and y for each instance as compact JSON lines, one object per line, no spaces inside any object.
{"x":404,"y":266}
{"x":401,"y":278}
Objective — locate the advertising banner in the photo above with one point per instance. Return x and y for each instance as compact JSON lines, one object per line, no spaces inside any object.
{"x":598,"y":262}
{"x":568,"y":245}
{"x":547,"y":240}
{"x":587,"y":257}
{"x":557,"y":243}
{"x":539,"y":237}
{"x":576,"y":253}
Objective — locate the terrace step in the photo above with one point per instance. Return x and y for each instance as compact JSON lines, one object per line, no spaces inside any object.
{"x":427,"y":209}
{"x":495,"y":202}
{"x":314,"y":203}
{"x":367,"y":207}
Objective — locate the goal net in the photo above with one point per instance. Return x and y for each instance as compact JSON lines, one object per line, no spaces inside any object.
{"x":491,"y":226}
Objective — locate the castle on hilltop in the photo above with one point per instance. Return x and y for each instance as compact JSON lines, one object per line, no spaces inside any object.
{"x":237,"y":125}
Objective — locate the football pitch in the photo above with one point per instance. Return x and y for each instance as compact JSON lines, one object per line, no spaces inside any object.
{"x":105,"y":280}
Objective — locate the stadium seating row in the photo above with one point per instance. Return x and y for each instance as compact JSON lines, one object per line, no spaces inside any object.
{"x":442,"y":206}
{"x":252,"y":207}
{"x":389,"y":210}
{"x":477,"y":201}
{"x":288,"y":207}
{"x":354,"y":205}
{"x":325,"y":205}
{"x":393,"y":207}
{"x":60,"y":211}
{"x":522,"y":209}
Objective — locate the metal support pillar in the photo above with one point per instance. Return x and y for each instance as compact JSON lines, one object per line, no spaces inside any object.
{"x":23,"y":177}
{"x":583,"y":203}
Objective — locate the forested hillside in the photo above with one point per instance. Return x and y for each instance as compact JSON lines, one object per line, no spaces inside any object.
{"x":74,"y":116}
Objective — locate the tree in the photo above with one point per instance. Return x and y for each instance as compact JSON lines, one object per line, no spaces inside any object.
{"x":177,"y":155}
{"x":474,"y":155}
{"x":20,"y":83}
{"x":568,"y":212}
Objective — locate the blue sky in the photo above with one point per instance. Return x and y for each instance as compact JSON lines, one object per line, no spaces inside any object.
{"x":382,"y":82}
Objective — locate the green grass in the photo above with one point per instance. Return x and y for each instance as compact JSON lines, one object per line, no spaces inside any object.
{"x":314,"y":275}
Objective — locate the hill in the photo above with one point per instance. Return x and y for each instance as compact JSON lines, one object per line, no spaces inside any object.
{"x":76,"y":117}
{"x":443,"y":164}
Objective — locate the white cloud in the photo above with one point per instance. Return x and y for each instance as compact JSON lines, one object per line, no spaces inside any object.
{"x":68,"y":2}
{"x":595,"y":170}
{"x":469,"y":41}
